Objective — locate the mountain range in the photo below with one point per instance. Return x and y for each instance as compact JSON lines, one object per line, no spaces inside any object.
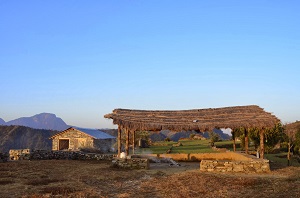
{"x":40,"y":121}
{"x":21,"y":137}
{"x":34,"y":132}
{"x":175,"y":136}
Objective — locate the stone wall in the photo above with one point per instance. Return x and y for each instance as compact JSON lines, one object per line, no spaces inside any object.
{"x":76,"y":139}
{"x":57,"y":155}
{"x":19,"y":154}
{"x":254,"y":166}
{"x":133,"y":163}
{"x":3,"y":157}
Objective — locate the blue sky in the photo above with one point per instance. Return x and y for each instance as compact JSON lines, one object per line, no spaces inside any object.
{"x":82,"y":59}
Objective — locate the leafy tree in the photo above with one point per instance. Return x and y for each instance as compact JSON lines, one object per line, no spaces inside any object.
{"x":213,"y":138}
{"x":192,"y":136}
{"x":273,"y":136}
{"x":167,"y":139}
{"x":254,"y":137}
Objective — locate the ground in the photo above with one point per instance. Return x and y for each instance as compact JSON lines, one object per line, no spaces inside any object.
{"x":68,"y":178}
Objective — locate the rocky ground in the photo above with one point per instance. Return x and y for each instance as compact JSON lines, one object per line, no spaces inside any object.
{"x":71,"y":178}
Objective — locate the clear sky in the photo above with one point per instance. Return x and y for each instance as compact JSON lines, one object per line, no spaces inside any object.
{"x":82,"y":59}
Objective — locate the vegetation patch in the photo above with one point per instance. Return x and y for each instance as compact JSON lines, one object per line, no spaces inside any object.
{"x":42,"y":181}
{"x":58,"y":190}
{"x":6,"y":181}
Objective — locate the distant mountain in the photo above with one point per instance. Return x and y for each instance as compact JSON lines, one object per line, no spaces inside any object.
{"x":222,"y":135}
{"x":175,"y":136}
{"x":41,"y":121}
{"x":2,"y":122}
{"x":112,"y":132}
{"x":21,"y":137}
{"x":155,"y":137}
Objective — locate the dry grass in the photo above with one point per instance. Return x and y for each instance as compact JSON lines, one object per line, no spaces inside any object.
{"x":251,"y":116}
{"x":33,"y":179}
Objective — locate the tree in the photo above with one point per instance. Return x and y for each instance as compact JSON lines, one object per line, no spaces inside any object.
{"x":273,"y":136}
{"x":213,"y":138}
{"x":292,"y":132}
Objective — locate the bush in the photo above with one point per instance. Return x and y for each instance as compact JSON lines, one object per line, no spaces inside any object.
{"x":297,"y":150}
{"x":284,"y":147}
{"x":192,"y":136}
{"x":167,"y":139}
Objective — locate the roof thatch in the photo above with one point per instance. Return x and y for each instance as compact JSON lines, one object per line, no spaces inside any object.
{"x":196,"y":119}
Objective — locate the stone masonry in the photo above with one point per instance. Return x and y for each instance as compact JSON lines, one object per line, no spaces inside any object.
{"x":133,"y":163}
{"x":26,"y":154}
{"x":254,"y":166}
{"x":19,"y":154}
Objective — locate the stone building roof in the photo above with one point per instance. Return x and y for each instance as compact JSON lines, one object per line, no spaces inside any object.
{"x":94,"y":133}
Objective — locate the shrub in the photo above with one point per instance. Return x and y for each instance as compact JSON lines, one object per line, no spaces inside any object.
{"x":297,"y":150}
{"x":192,"y":136}
{"x":167,"y":139}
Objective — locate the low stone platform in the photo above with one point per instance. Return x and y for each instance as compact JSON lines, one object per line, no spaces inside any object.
{"x":254,"y":166}
{"x":132,"y":163}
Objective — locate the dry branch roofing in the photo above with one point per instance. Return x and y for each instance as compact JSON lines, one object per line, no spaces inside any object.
{"x":94,"y":133}
{"x":197,"y":119}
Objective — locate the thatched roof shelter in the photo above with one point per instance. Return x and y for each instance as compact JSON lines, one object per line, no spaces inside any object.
{"x":196,"y":119}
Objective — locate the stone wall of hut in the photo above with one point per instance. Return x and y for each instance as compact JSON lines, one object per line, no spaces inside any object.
{"x":76,"y":139}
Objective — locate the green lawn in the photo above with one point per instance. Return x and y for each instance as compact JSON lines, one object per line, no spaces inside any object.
{"x":203,"y":146}
{"x":280,"y":160}
{"x":188,"y":146}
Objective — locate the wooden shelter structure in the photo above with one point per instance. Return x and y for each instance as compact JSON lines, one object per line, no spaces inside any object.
{"x":247,"y":117}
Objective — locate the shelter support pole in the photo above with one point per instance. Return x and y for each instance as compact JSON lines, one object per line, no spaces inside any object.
{"x":127,"y":142}
{"x":261,"y":143}
{"x":119,"y":141}
{"x":233,"y":138}
{"x":133,"y":141}
{"x":246,"y":142}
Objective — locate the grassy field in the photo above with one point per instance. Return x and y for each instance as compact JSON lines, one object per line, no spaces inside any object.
{"x":78,"y":179}
{"x":187,"y":146}
{"x":73,"y":178}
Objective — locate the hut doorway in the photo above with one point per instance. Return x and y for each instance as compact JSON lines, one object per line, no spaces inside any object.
{"x":64,"y":144}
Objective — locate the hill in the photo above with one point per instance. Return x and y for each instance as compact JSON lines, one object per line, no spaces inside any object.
{"x":40,"y":121}
{"x":21,"y":137}
{"x":175,"y":136}
{"x":2,"y":122}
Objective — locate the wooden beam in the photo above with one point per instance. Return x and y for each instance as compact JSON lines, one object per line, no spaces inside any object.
{"x":261,"y":143}
{"x":119,"y":140}
{"x":233,"y":138}
{"x":127,"y":142}
{"x":246,"y":141}
{"x":133,"y":142}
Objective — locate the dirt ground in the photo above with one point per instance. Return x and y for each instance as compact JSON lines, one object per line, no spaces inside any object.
{"x":63,"y":178}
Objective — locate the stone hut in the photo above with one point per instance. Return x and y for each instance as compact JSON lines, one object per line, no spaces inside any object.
{"x":75,"y":138}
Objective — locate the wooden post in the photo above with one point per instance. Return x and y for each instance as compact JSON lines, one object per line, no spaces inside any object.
{"x":127,"y":142}
{"x":246,"y":141}
{"x":289,"y":152}
{"x":233,"y":138}
{"x":133,"y":142}
{"x":119,"y":141}
{"x":261,"y":143}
